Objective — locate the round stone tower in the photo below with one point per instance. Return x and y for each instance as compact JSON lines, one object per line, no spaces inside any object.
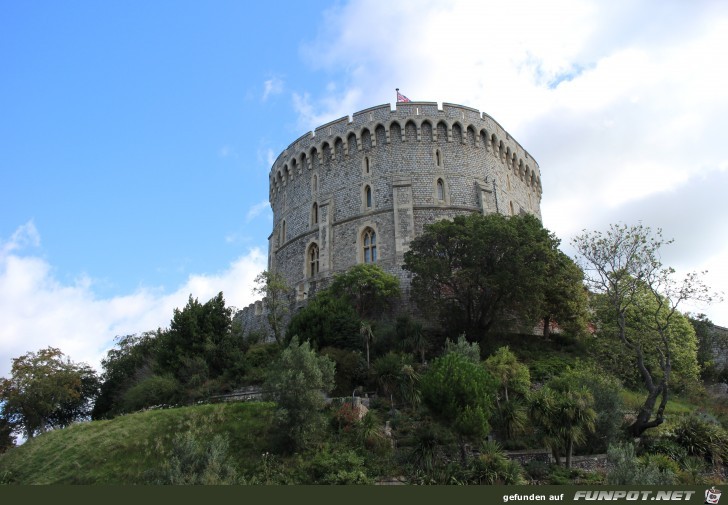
{"x":359,"y":189}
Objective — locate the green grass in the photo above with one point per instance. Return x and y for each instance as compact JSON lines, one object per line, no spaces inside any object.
{"x":125,"y":449}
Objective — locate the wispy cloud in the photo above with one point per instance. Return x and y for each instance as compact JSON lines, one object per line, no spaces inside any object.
{"x":273,"y":86}
{"x":38,"y":310}
{"x":25,"y":236}
{"x":257,"y":210}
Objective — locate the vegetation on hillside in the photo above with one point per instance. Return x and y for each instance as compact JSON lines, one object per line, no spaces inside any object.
{"x":451,"y":382}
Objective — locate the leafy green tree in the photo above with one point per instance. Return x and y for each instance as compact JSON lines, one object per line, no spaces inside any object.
{"x":272,"y":286}
{"x":564,"y":417}
{"x":623,"y":266}
{"x":460,"y":394}
{"x":368,"y":288}
{"x":47,"y":390}
{"x":476,"y":271}
{"x":351,"y":370}
{"x":129,"y":362}
{"x":296,"y":383}
{"x":7,"y":437}
{"x":200,"y":346}
{"x":565,"y":297}
{"x":326,"y":321}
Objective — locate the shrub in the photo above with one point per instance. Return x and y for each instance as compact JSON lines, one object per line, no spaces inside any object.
{"x":702,"y":438}
{"x":493,"y":467}
{"x":336,"y":466}
{"x":197,"y":456}
{"x":195,"y":459}
{"x":626,"y":469}
{"x":155,"y":390}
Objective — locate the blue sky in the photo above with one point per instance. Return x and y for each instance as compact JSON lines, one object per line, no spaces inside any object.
{"x":136,"y":137}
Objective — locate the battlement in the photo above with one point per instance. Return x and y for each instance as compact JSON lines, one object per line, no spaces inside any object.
{"x":347,"y":132}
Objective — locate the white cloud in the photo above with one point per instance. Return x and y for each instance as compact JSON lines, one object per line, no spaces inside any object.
{"x":273,"y":86}
{"x":256,"y":210}
{"x":622,"y":103}
{"x":38,"y":310}
{"x":26,"y":235}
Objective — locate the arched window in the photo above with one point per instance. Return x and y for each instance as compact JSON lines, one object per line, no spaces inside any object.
{"x":438,"y":158}
{"x":368,"y":197}
{"x":314,"y":214}
{"x":283,"y":232}
{"x":313,"y":260}
{"x":366,"y":164}
{"x":440,"y":190}
{"x":369,"y":242}
{"x":314,"y":183}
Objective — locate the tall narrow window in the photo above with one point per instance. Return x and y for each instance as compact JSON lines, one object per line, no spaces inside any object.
{"x":314,"y":185}
{"x":369,"y":240}
{"x":438,"y":160}
{"x":283,"y":232}
{"x":313,"y":260}
{"x":366,"y":164}
{"x":440,"y":190}
{"x":314,"y":214}
{"x":368,"y":196}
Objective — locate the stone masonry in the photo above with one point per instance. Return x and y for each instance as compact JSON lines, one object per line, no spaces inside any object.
{"x":359,"y":189}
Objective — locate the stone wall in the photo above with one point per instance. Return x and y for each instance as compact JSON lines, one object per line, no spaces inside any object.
{"x":386,"y":174}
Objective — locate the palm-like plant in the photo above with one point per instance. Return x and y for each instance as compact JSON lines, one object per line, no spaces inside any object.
{"x":564,"y":419}
{"x":367,"y":335}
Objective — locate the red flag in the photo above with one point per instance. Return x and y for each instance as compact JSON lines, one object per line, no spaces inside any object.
{"x":401,"y":97}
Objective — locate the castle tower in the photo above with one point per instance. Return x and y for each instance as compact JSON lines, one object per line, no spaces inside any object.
{"x":360,"y":189}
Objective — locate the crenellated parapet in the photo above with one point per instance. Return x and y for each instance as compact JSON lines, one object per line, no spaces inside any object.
{"x":423,"y":122}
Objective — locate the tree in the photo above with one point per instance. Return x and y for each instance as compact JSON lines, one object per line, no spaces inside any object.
{"x":47,"y":390}
{"x":296,"y":383}
{"x":608,"y":404}
{"x":412,"y":335}
{"x":565,"y":297}
{"x":326,"y":321}
{"x":368,"y":288}
{"x":563,"y":416}
{"x":7,"y":438}
{"x":468,"y":350}
{"x":131,"y":360}
{"x":272,"y":286}
{"x":512,"y":375}
{"x":710,"y":343}
{"x":514,"y":383}
{"x":476,"y":271}
{"x":367,"y":336}
{"x":622,"y":264}
{"x":200,"y":345}
{"x":460,"y":394}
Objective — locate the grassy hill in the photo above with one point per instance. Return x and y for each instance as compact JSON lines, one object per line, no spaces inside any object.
{"x":131,"y":449}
